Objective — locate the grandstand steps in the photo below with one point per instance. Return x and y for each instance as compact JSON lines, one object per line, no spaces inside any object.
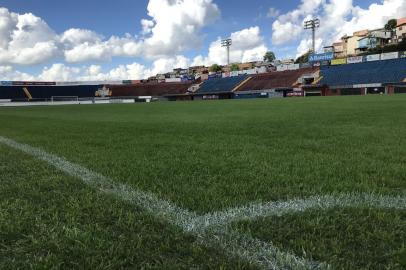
{"x":317,"y":80}
{"x":241,"y":84}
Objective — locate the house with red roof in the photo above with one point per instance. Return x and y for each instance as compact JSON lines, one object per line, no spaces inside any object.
{"x":401,"y":29}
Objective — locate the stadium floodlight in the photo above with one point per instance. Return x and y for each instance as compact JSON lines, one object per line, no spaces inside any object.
{"x":227,"y":43}
{"x":312,"y":24}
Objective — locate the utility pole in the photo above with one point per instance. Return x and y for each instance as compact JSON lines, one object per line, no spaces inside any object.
{"x":227,"y":43}
{"x":312,"y":24}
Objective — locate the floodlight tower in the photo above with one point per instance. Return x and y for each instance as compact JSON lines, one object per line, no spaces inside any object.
{"x":227,"y":43}
{"x":312,"y":24}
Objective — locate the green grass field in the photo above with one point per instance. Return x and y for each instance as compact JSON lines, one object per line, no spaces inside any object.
{"x":203,"y":157}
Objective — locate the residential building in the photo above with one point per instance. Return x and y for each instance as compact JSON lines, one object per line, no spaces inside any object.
{"x":351,"y":42}
{"x":401,"y":29}
{"x":340,"y":49}
{"x":245,"y":66}
{"x":375,"y":38}
{"x":181,"y":71}
{"x":328,"y":49}
{"x":287,"y":62}
{"x":198,"y":70}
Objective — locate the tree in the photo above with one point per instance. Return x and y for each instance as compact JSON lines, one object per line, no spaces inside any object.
{"x":303,"y":59}
{"x":214,"y":68}
{"x":269,"y":57}
{"x":391,"y":24}
{"x":234,"y":67}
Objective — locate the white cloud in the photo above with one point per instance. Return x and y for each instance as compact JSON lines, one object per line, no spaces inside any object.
{"x":25,"y":39}
{"x":248,"y":45}
{"x":75,"y":36}
{"x":175,"y":25}
{"x":146,"y":26}
{"x":306,"y":44}
{"x":59,"y":72}
{"x":8,"y":73}
{"x":164,"y":65}
{"x":87,"y":52}
{"x":284,"y":32}
{"x":338,"y":18}
{"x":94,"y":49}
{"x":273,"y":12}
{"x":63,"y":72}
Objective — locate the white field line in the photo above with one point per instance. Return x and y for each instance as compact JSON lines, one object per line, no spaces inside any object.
{"x":254,"y":251}
{"x":149,"y":201}
{"x":322,"y":202}
{"x":213,"y":229}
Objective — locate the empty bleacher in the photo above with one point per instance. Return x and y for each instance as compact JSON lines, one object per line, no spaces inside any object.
{"x":149,"y":89}
{"x":379,"y":72}
{"x":221,"y":85}
{"x":46,"y":92}
{"x":275,"y":80}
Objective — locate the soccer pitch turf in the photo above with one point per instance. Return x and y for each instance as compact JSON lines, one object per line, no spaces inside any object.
{"x":297,"y":183}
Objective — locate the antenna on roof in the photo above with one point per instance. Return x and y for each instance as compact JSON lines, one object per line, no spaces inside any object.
{"x":312,"y":24}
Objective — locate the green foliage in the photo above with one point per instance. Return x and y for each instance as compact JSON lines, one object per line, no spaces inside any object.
{"x":234,"y":67}
{"x":269,"y":57}
{"x":303,"y":58}
{"x":391,"y":24}
{"x":215,"y":68}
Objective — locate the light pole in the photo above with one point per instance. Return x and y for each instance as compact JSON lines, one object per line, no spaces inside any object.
{"x":312,"y":24}
{"x":227,"y":43}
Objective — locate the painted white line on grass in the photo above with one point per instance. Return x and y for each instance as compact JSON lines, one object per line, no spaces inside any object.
{"x":322,"y":202}
{"x":148,"y":201}
{"x":254,"y":251}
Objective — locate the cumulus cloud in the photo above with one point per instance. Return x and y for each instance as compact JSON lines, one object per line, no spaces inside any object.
{"x":25,"y":39}
{"x":8,"y":73}
{"x":75,"y":36}
{"x":248,"y":45}
{"x":59,"y":72}
{"x":63,"y":72}
{"x":338,"y":18}
{"x":174,"y":26}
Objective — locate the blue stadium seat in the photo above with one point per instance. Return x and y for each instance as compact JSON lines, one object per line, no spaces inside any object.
{"x":387,"y":71}
{"x":221,"y":85}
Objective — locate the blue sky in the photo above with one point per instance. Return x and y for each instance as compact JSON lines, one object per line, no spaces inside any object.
{"x":254,"y":30}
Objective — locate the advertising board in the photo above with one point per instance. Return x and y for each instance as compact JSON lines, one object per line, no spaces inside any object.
{"x":387,"y":56}
{"x":341,"y":61}
{"x":321,"y":57}
{"x":355,"y":59}
{"x":373,"y":57}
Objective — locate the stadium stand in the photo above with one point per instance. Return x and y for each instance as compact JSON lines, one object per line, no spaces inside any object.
{"x":276,"y":80}
{"x":46,"y":92}
{"x":149,"y":89}
{"x":221,"y":85}
{"x":378,"y":72}
{"x":12,"y":92}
